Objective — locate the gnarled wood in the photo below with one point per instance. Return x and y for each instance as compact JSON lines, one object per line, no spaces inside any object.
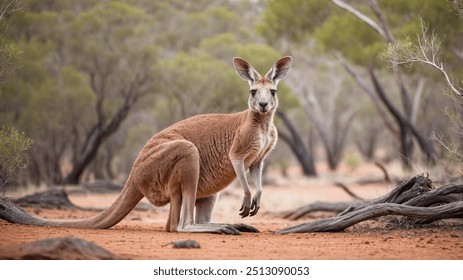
{"x":338,"y":223}
{"x":415,"y":197}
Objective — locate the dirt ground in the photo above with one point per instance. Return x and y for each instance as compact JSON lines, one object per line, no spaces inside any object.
{"x":141,"y":234}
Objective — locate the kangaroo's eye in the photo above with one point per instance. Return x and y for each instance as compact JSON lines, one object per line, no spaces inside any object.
{"x":273,"y":92}
{"x":253,"y":92}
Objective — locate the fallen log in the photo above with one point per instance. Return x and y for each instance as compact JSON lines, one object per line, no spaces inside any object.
{"x":338,"y":223}
{"x":415,"y":198}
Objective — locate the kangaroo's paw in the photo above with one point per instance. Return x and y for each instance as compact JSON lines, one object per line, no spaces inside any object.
{"x":255,"y":206}
{"x":245,"y":206}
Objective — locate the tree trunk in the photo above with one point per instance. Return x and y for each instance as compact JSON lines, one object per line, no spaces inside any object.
{"x":406,"y":128}
{"x":96,"y":138}
{"x":294,"y":140}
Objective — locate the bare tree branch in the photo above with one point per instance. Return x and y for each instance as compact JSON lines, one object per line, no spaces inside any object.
{"x":401,"y":120}
{"x":384,"y":26}
{"x":8,"y":7}
{"x":348,"y":191}
{"x":356,"y":76}
{"x":331,"y":126}
{"x":417,"y":100}
{"x":404,"y":52}
{"x":361,"y":16}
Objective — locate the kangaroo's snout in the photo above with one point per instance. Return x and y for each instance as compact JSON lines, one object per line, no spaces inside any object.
{"x":263,"y":106}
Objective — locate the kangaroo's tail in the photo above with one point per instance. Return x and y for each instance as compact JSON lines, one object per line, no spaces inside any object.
{"x":125,"y":202}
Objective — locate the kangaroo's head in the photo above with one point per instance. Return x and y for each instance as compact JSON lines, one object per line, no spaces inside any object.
{"x":263,"y":90}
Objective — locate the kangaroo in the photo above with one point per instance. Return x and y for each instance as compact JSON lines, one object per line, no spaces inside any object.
{"x":188,"y":163}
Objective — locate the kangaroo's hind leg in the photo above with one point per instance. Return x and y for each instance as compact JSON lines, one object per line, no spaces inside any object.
{"x":182,"y":186}
{"x":204,"y":209}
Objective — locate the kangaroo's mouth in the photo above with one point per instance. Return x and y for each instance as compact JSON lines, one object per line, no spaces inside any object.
{"x":264,"y":107}
{"x":264,"y":111}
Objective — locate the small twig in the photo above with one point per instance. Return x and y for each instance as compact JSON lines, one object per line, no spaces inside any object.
{"x":348,"y":191}
{"x":386,"y":174}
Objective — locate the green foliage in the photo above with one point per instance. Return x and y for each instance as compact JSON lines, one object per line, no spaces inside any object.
{"x":195,"y":84}
{"x":337,"y":30}
{"x":13,"y":157}
{"x":293,"y":20}
{"x":83,"y":60}
{"x":78,"y":61}
{"x":355,"y":39}
{"x":9,"y":52}
{"x":398,"y":52}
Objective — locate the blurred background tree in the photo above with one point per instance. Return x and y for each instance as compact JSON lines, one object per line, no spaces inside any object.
{"x":13,"y":144}
{"x":95,"y":79}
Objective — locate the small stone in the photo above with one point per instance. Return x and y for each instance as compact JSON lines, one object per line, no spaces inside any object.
{"x":185,"y":244}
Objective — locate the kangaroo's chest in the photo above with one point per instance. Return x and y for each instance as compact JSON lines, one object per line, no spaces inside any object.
{"x":264,"y":142}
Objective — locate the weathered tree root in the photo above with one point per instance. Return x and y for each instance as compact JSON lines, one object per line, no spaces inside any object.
{"x":50,"y":199}
{"x":415,"y":197}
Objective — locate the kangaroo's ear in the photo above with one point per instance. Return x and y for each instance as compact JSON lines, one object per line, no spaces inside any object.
{"x":279,"y":69}
{"x":245,"y":70}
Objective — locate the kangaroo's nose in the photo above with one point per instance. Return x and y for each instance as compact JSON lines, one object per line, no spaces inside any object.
{"x":263,"y":104}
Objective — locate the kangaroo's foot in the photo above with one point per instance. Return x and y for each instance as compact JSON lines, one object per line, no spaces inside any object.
{"x":210,"y":228}
{"x":240,"y":227}
{"x":233,"y":229}
{"x":245,"y":228}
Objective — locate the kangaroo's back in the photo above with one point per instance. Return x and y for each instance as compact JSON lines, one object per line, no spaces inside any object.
{"x":213,"y":135}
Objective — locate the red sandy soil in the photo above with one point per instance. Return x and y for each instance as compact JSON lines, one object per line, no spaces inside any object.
{"x":141,"y":234}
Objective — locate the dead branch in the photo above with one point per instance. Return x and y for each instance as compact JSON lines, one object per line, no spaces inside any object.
{"x":348,"y":191}
{"x":426,"y":51}
{"x":386,"y":174}
{"x":370,"y":22}
{"x":415,"y":198}
{"x":339,"y":223}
